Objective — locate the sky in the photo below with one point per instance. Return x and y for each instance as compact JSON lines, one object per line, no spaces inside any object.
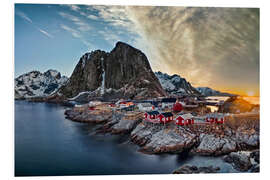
{"x":213,"y":47}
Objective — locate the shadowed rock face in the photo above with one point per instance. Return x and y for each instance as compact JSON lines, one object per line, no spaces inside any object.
{"x":124,"y":72}
{"x":87,"y":75}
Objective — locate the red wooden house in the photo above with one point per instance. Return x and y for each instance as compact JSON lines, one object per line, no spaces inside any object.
{"x":91,"y":108}
{"x":151,"y":115}
{"x":112,"y":105}
{"x":177,"y":107}
{"x":217,"y":120}
{"x":184,"y":119}
{"x":165,"y":117}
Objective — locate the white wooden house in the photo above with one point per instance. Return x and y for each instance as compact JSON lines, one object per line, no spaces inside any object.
{"x":145,"y":106}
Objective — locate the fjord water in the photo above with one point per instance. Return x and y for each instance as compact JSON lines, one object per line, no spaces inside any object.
{"x":47,"y":144}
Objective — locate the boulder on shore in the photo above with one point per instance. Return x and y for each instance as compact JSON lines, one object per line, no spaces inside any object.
{"x":125,"y":126}
{"x":189,"y":169}
{"x":240,"y":160}
{"x":169,"y":140}
{"x":214,"y":145}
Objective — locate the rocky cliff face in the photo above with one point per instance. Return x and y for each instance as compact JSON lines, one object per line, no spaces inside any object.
{"x":87,"y":75}
{"x":176,"y":85}
{"x":123,"y":73}
{"x":37,"y":84}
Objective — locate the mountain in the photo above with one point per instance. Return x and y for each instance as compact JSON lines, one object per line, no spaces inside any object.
{"x":122,"y":73}
{"x":37,"y":84}
{"x":206,"y":91}
{"x":175,"y":85}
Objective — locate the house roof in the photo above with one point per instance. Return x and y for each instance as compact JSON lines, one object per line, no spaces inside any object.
{"x":153,"y":113}
{"x":167,"y":114}
{"x":186,"y":116}
{"x":146,"y":104}
{"x":168,"y":100}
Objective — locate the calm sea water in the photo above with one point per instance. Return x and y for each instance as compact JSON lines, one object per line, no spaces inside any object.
{"x":47,"y":144}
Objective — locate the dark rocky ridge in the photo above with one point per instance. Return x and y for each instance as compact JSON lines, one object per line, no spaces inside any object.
{"x":126,"y":72}
{"x":87,"y":75}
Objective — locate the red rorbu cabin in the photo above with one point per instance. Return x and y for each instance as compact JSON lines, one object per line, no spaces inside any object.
{"x":112,"y":105}
{"x":91,"y":108}
{"x":151,"y":115}
{"x":184,"y":119}
{"x":217,"y":120}
{"x":165,"y":117}
{"x":177,"y":107}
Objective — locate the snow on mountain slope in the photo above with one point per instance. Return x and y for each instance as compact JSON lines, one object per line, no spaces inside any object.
{"x":37,"y":84}
{"x":206,"y":91}
{"x":175,"y":85}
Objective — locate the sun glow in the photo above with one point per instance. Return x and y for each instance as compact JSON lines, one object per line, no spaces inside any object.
{"x":250,"y":93}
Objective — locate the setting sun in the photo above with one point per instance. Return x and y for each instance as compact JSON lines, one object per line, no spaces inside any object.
{"x":250,"y":93}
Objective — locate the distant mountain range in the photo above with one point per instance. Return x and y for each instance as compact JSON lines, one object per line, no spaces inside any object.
{"x":176,"y":85}
{"x":37,"y":84}
{"x":125,"y":72}
{"x":206,"y":91}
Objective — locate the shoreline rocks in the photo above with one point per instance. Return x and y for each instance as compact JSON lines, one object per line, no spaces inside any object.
{"x":210,"y":144}
{"x":189,"y":169}
{"x":159,"y":138}
{"x":244,"y":160}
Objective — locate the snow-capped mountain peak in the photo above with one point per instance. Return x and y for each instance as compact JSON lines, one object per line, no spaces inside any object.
{"x":175,"y":85}
{"x":37,"y":84}
{"x":206,"y":91}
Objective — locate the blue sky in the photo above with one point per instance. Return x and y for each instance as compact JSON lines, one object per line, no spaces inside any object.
{"x":214,"y":47}
{"x":56,"y":36}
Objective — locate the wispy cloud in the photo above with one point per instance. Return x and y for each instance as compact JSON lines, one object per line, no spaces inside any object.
{"x":28,"y":19}
{"x":45,"y":33}
{"x":91,"y":16}
{"x":82,"y":25}
{"x":114,"y":15}
{"x":23,"y":15}
{"x":76,"y":34}
{"x":73,"y":32}
{"x":72,"y":7}
{"x":215,"y":43}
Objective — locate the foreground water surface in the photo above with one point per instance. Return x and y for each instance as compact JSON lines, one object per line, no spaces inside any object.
{"x":47,"y":144}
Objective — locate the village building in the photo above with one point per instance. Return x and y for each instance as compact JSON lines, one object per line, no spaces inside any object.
{"x":94,"y":103}
{"x":112,"y":105}
{"x":165,"y":117}
{"x":145,"y":107}
{"x":215,"y":118}
{"x":168,"y":102}
{"x":184,"y":119}
{"x":151,"y":115}
{"x":177,"y":107}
